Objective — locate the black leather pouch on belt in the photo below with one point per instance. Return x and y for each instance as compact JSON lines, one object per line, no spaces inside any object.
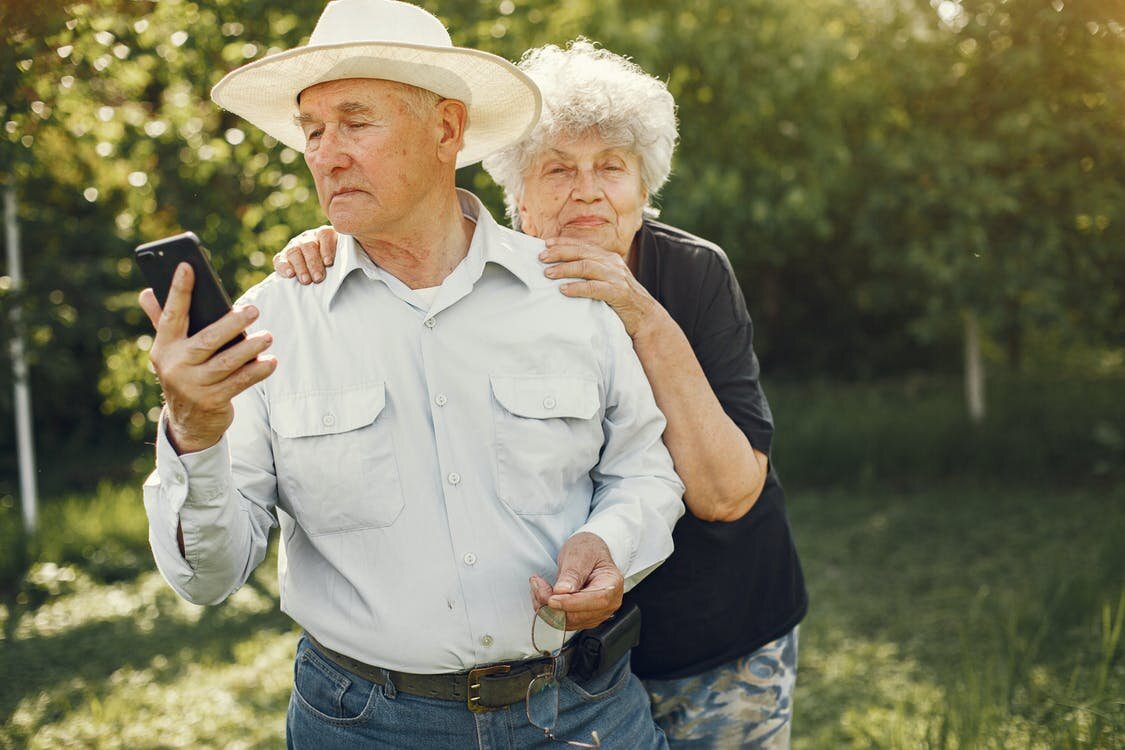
{"x":599,"y":648}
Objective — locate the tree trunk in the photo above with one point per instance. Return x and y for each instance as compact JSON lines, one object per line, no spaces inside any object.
{"x":25,"y":444}
{"x":974,"y":369}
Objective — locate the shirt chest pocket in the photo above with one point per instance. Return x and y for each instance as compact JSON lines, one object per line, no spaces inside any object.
{"x":548,"y":438}
{"x":335,"y":459}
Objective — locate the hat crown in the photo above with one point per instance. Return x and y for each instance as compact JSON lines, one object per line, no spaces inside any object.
{"x":386,"y":21}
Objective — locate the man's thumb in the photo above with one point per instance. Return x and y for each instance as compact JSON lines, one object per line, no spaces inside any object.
{"x":567,"y":582}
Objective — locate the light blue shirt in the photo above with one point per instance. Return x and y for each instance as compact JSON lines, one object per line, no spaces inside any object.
{"x":424,"y":460}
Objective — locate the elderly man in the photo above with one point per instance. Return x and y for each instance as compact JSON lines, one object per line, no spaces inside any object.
{"x":438,"y":427}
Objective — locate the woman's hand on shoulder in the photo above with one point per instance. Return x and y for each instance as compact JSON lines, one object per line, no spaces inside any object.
{"x":601,"y":274}
{"x":307,"y":255}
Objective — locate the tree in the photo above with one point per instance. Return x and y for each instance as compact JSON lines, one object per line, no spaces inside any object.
{"x":1006,"y":175}
{"x":879,"y":172}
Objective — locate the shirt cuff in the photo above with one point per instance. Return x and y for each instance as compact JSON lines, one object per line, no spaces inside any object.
{"x":615,"y":533}
{"x":209,"y":470}
{"x":633,"y":562}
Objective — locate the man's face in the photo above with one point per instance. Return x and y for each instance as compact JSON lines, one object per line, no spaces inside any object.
{"x":372,"y":157}
{"x":586,"y":189}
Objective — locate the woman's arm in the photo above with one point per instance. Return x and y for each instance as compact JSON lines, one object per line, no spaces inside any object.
{"x":722,"y":473}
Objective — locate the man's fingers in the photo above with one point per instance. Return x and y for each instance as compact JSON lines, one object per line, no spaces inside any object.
{"x":589,"y":599}
{"x":173,"y":320}
{"x":223,"y":364}
{"x":205,"y":343}
{"x":223,"y":390}
{"x":249,"y":374}
{"x":151,"y":307}
{"x":540,"y":591}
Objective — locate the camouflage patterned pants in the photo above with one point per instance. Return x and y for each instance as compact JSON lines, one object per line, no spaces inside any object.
{"x":745,"y":704}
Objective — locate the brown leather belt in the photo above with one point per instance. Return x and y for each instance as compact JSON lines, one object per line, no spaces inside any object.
{"x":481,"y":689}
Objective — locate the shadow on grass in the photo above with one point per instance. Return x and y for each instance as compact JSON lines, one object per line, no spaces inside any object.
{"x":77,"y":663}
{"x":961,"y":618}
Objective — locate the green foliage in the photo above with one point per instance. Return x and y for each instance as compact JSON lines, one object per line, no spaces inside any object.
{"x":874,"y":170}
{"x":105,"y":533}
{"x":913,"y":433}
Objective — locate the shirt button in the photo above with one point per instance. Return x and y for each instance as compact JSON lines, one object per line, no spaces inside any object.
{"x":440,"y":399}
{"x":429,"y":322}
{"x":470,"y":558}
{"x":328,"y":420}
{"x":454,"y":478}
{"x":486,"y":640}
{"x":549,"y":402}
{"x":178,"y":478}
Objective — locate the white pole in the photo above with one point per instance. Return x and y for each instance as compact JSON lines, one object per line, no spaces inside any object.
{"x":24,"y":443}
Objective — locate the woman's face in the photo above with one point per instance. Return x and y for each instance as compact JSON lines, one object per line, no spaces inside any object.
{"x":585,"y":189}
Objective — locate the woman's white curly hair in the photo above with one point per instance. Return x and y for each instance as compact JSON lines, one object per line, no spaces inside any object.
{"x":591,"y":91}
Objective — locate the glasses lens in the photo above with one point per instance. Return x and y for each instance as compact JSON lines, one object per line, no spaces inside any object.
{"x":543,"y":701}
{"x":548,"y":631}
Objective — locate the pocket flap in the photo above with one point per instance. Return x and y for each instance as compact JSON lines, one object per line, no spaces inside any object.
{"x":327,"y":412}
{"x":546,"y":396}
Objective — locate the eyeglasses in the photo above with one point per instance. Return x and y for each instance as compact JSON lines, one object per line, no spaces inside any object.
{"x":548,"y":634}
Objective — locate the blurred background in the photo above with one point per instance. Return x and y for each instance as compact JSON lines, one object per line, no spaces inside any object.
{"x":924,"y":201}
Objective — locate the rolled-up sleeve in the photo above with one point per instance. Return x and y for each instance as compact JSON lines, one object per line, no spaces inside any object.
{"x":637,"y":495}
{"x":225,"y":531}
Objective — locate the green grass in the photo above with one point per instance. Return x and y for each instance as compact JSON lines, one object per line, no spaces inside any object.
{"x":962,"y":619}
{"x":915,"y":433}
{"x":950,"y":619}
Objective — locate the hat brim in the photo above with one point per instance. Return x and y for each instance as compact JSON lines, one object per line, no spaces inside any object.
{"x":503,"y":103}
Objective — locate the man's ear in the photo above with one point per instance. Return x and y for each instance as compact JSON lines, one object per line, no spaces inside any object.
{"x":453,"y":118}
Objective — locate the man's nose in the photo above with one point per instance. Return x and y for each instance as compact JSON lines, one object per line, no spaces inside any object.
{"x":333,"y":151}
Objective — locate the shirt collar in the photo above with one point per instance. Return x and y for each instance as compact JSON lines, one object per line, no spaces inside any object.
{"x":491,"y":243}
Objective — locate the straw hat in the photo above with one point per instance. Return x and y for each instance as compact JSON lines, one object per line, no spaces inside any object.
{"x":394,"y":41}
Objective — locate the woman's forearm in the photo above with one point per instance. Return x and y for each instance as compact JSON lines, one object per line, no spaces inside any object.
{"x":722,"y":473}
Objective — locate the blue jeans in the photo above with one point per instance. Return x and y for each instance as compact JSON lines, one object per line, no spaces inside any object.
{"x":745,"y":704}
{"x":330,"y":708}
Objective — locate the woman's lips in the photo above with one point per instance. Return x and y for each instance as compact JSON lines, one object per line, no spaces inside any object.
{"x":587,"y":222}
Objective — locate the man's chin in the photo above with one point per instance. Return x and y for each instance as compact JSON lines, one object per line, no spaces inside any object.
{"x":343,"y":222}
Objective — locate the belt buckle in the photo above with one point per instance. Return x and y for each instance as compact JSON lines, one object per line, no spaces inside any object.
{"x":472,"y":695}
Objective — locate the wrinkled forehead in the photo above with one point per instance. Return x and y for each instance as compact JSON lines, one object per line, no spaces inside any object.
{"x":356,"y":88}
{"x":592,"y":142}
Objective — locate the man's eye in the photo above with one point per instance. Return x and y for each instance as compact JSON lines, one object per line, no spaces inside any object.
{"x":355,"y":125}
{"x":313,"y":134}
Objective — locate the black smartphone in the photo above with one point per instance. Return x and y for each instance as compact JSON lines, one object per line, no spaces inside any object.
{"x":209,"y":302}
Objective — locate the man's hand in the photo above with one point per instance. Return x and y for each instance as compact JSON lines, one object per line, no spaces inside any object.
{"x":588,"y":587}
{"x":198,"y":384}
{"x":605,"y":276}
{"x":307,"y":255}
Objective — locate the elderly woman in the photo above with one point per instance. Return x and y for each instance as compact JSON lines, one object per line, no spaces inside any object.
{"x":718,"y":650}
